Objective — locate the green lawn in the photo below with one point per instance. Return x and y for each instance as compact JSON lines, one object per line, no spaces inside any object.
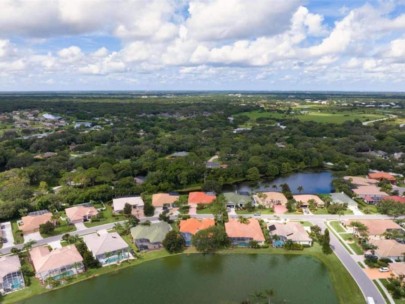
{"x":325,"y":211}
{"x":356,"y":248}
{"x":63,"y":228}
{"x":18,"y":238}
{"x":337,"y":226}
{"x":344,"y":285}
{"x":397,"y":301}
{"x":108,"y":217}
{"x":306,"y":223}
{"x":261,"y":211}
{"x":315,"y":116}
{"x":347,"y":236}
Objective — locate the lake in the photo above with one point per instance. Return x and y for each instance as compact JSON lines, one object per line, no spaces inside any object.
{"x":312,"y":182}
{"x":204,"y":279}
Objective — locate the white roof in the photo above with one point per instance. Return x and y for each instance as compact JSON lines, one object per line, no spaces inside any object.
{"x":119,"y":203}
{"x":9,"y":264}
{"x":104,"y":242}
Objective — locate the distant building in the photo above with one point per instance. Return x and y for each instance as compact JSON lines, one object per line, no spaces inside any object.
{"x":371,"y":194}
{"x":179,"y":154}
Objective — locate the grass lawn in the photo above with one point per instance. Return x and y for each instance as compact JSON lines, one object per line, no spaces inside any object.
{"x":325,"y":211}
{"x":397,"y":301}
{"x":18,"y":238}
{"x":356,"y":248}
{"x":347,"y":236}
{"x":306,"y":223}
{"x":345,"y":287}
{"x":63,"y":228}
{"x":337,"y":226}
{"x":261,"y":211}
{"x":108,"y":217}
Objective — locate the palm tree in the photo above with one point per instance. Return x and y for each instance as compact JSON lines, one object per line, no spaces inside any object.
{"x":243,"y":220}
{"x":270,"y":294}
{"x":27,"y":246}
{"x":300,"y":189}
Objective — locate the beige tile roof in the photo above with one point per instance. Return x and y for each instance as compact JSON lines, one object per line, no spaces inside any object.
{"x":369,"y":190}
{"x":388,"y":248}
{"x":398,"y":268}
{"x":377,"y":227}
{"x":292,"y":231}
{"x":360,"y":181}
{"x":31,"y":223}
{"x":305,"y":198}
{"x":270,"y":198}
{"x":79,"y":212}
{"x":104,"y":242}
{"x":9,"y":264}
{"x":159,"y":199}
{"x":235,"y":229}
{"x":45,"y":260}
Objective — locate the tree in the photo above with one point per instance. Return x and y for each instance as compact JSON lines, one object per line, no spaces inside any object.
{"x":133,"y":221}
{"x":300,"y":189}
{"x":326,"y":242}
{"x":174,"y":242}
{"x":211,"y":239}
{"x":127,"y":209}
{"x":253,"y":174}
{"x":148,"y":209}
{"x":47,"y":228}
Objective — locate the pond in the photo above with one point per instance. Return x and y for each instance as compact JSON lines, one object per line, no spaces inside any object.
{"x":312,"y":183}
{"x":204,"y":279}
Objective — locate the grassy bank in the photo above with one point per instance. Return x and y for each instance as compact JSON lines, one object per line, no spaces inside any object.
{"x":344,"y":285}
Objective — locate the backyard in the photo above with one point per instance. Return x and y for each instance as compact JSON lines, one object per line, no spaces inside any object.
{"x":107,"y":217}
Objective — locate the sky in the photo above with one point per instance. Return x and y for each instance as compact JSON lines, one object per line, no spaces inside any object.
{"x":339,"y":45}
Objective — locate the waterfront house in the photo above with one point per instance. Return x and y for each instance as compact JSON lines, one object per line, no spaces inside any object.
{"x":80,"y":214}
{"x":342,"y":198}
{"x":358,"y":181}
{"x":149,"y":237}
{"x":164,"y":200}
{"x":270,"y":199}
{"x":305,"y":200}
{"x":375,"y":228}
{"x":56,"y":264}
{"x":11,"y":278}
{"x":292,"y":231}
{"x":381,"y":176}
{"x":107,"y":247}
{"x":235,"y":200}
{"x":389,"y":249}
{"x":241,"y":234}
{"x":201,"y":198}
{"x":136,"y":202}
{"x":31,"y":222}
{"x":398,"y":269}
{"x":191,"y":226}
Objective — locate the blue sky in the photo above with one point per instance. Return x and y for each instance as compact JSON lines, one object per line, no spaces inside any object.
{"x":202,"y":45}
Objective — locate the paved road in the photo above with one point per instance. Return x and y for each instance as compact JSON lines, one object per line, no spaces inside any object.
{"x":367,"y":287}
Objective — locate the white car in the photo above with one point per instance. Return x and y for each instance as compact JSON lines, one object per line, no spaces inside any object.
{"x":384,"y":269}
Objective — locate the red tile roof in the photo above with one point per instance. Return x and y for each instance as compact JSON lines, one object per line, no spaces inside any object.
{"x":235,"y":229}
{"x":381,"y":175}
{"x":396,"y":198}
{"x":193,"y":225}
{"x":200,"y":198}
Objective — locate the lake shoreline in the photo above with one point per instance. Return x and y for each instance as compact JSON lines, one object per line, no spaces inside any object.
{"x":343,"y":283}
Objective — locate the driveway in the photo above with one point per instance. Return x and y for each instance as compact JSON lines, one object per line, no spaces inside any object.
{"x":7,"y":234}
{"x":80,"y":226}
{"x":193,"y":209}
{"x":355,"y":210}
{"x":374,"y":273}
{"x":36,"y":236}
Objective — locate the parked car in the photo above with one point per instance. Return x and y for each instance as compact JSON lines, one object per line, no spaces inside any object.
{"x":384,"y":269}
{"x":257,"y":214}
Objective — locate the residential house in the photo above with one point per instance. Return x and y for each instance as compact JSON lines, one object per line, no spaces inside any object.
{"x":56,"y":264}
{"x":235,"y":200}
{"x":360,"y":181}
{"x":149,"y":237}
{"x":375,"y":228}
{"x":305,"y":199}
{"x":107,"y":247}
{"x":164,"y":200}
{"x":380,"y":176}
{"x":31,"y":222}
{"x":371,"y":194}
{"x":136,"y":202}
{"x":241,"y":234}
{"x":396,"y":198}
{"x":398,"y":269}
{"x":191,"y":226}
{"x":389,"y":249}
{"x":11,"y":278}
{"x":80,"y":214}
{"x":342,"y":198}
{"x":270,"y":199}
{"x":292,"y":231}
{"x":201,"y":198}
